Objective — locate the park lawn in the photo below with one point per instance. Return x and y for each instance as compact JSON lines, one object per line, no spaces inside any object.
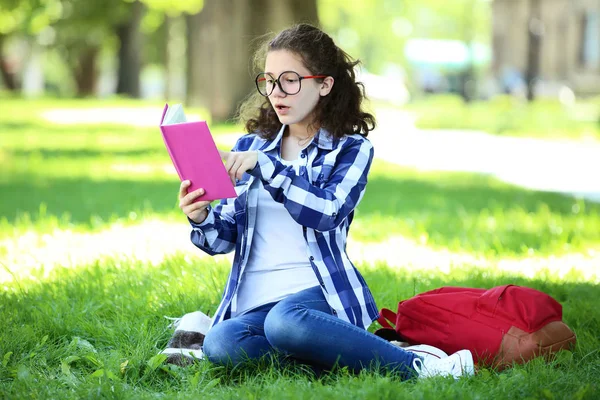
{"x":87,"y":177}
{"x":504,"y":115}
{"x":93,"y":330}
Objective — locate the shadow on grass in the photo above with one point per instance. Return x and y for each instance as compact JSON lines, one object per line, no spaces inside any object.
{"x":117,"y":310}
{"x":474,"y":210}
{"x":473,"y":194}
{"x":466,"y":212}
{"x":84,"y":200}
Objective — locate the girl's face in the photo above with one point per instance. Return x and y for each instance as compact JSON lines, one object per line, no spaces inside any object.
{"x":295,"y":110}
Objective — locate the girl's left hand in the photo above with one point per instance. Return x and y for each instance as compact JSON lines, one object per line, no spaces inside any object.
{"x":237,"y":163}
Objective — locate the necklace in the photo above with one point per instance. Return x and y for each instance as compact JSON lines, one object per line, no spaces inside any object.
{"x":303,"y":141}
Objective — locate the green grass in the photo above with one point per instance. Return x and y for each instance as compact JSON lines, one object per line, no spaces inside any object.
{"x":82,"y":176}
{"x":505,"y":115}
{"x":88,"y":177}
{"x":474,"y":213}
{"x":93,"y":330}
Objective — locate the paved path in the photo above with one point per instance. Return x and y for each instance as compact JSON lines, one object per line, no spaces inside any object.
{"x":549,"y":165}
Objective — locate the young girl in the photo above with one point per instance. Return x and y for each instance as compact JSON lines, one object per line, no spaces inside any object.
{"x":300,"y":173}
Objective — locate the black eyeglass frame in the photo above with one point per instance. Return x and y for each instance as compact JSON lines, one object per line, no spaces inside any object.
{"x":300,"y":79}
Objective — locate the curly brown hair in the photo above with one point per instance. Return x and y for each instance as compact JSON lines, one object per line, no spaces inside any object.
{"x":339,"y":112}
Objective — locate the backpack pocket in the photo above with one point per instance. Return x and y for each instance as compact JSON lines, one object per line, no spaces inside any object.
{"x":526,"y":308}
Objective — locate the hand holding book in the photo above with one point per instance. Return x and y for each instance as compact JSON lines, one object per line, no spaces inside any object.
{"x":195,"y":155}
{"x":195,"y":210}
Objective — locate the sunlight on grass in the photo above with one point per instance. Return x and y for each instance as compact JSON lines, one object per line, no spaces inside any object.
{"x":151,"y":241}
{"x":87,"y":177}
{"x":505,"y":115}
{"x":94,"y":253}
{"x":149,"y":116}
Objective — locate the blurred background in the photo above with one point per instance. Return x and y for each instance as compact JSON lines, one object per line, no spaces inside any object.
{"x":199,"y":51}
{"x":488,"y":118}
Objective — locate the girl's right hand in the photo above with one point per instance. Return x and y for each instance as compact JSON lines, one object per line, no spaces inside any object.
{"x":198,"y":211}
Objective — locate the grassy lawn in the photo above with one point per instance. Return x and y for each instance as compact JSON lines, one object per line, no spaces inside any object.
{"x":93,"y":330}
{"x":505,"y":115}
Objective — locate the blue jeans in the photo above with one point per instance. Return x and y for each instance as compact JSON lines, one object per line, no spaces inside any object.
{"x":303,"y":326}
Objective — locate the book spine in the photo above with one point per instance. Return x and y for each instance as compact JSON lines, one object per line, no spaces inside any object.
{"x":173,"y":159}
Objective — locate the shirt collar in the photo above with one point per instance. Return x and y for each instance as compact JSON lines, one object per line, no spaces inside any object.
{"x":322,"y":139}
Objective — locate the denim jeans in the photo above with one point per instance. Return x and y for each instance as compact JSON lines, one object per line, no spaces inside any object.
{"x":303,"y":326}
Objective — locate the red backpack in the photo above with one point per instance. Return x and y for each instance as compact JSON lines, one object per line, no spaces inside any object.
{"x":502,"y":325}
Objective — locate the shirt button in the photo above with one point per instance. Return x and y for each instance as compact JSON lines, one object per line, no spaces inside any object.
{"x":303,"y":155}
{"x":334,"y":312}
{"x":311,"y":258}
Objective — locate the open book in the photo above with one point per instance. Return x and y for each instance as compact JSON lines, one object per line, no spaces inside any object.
{"x":195,"y":155}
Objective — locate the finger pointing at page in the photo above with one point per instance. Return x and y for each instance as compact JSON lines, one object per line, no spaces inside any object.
{"x":237,"y":163}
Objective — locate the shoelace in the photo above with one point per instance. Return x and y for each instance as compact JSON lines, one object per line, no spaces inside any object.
{"x":418,"y":365}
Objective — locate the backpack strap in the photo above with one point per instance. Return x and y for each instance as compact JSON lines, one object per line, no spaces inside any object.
{"x":387,"y":316}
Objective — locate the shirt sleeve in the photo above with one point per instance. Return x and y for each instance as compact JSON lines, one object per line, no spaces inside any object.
{"x":217,"y":234}
{"x":320,"y":208}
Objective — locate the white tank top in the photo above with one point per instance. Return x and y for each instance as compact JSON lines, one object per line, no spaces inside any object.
{"x":278,"y":263}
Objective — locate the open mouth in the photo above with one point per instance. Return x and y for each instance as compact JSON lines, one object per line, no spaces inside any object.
{"x":281,"y":107}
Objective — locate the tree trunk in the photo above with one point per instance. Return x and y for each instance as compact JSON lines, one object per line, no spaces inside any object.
{"x":535,"y":33}
{"x":220,"y":41}
{"x":304,"y":11}
{"x":86,"y":72}
{"x":468,"y":84}
{"x":9,"y":75}
{"x":130,"y":56}
{"x":218,"y":57}
{"x":198,"y":62}
{"x":167,"y":57}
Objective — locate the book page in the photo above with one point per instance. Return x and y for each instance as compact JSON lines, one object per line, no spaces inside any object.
{"x":174,"y":115}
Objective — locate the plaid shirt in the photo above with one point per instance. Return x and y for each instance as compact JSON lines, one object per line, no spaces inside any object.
{"x":322,"y":198}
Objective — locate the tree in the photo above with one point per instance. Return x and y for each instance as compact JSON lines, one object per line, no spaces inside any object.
{"x":130,"y":48}
{"x":26,"y":18}
{"x":535,"y":34}
{"x":81,"y":32}
{"x":221,"y":39}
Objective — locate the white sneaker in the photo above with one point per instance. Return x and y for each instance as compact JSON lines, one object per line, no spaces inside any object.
{"x":456,"y":365}
{"x":426,"y":352}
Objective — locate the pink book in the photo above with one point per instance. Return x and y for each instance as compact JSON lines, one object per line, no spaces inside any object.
{"x":195,"y":155}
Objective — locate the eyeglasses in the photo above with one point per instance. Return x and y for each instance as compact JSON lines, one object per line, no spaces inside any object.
{"x":289,"y":82}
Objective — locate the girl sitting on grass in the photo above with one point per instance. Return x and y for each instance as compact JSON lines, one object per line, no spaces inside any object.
{"x":300,"y":173}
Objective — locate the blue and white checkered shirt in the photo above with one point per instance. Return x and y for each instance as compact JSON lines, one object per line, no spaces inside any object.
{"x":321,"y":198}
